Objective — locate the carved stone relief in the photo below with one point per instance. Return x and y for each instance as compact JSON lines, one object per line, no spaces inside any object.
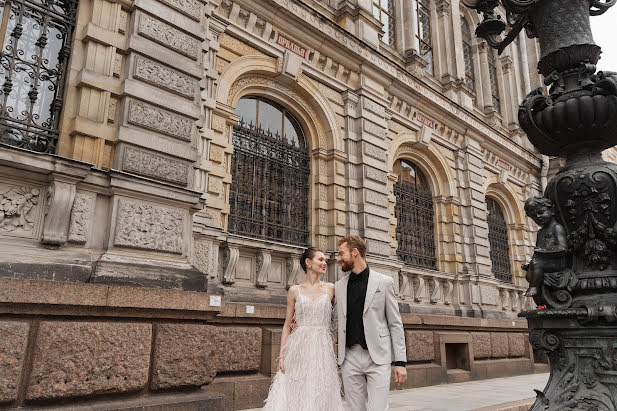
{"x":376,"y":198}
{"x":376,"y":175}
{"x":191,"y":8}
{"x":375,"y":152}
{"x":205,"y":257}
{"x":374,"y":129}
{"x":163,"y":121}
{"x":374,"y":107}
{"x":489,"y":295}
{"x":155,"y":165}
{"x":149,"y":227}
{"x":216,"y":153}
{"x":219,"y":124}
{"x":376,"y":247}
{"x":432,"y":290}
{"x":81,"y":218}
{"x":168,"y":36}
{"x":18,"y":207}
{"x":165,"y":77}
{"x":238,"y":47}
{"x":340,"y":193}
{"x":378,"y":223}
{"x":418,"y":288}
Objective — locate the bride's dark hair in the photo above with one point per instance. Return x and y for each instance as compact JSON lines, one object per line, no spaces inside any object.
{"x":308,"y":253}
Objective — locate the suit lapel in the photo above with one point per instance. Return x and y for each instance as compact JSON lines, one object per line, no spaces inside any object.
{"x":371,"y":288}
{"x":342,"y":294}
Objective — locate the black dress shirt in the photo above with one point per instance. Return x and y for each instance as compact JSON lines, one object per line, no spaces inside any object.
{"x":356,"y":294}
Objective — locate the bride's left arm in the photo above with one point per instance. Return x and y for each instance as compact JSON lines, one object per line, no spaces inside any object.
{"x":334,"y":315}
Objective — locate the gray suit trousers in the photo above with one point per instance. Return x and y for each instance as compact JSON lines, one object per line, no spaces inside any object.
{"x":366,"y":383}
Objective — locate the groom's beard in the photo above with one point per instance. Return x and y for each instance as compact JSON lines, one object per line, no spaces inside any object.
{"x":347,"y":266}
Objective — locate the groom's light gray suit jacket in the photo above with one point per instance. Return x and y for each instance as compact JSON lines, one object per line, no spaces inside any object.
{"x":383,"y":327}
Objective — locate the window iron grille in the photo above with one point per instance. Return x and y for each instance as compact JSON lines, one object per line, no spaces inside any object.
{"x":270,"y":175}
{"x":498,"y":241}
{"x":36,"y":40}
{"x":414,"y":217}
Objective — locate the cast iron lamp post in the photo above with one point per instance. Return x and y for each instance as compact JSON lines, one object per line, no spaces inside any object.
{"x":574,"y":268}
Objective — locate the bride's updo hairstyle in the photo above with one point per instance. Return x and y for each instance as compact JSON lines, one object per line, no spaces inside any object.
{"x":308,"y":253}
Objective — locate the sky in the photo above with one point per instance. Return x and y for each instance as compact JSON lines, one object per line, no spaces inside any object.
{"x":603,"y":35}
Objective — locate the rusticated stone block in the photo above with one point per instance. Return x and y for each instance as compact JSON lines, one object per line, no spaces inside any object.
{"x":184,"y":355}
{"x":516,"y":344}
{"x":78,"y":358}
{"x":12,"y":352}
{"x":420,"y":345}
{"x":499,"y":344}
{"x":238,"y":348}
{"x":481,"y":345}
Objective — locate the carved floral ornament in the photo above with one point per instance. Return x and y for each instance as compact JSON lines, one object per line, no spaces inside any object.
{"x":16,"y":205}
{"x":262,"y":82}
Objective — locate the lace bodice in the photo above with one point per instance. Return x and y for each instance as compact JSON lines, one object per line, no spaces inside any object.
{"x":313,"y":312}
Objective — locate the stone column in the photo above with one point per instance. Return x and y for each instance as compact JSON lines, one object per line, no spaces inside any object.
{"x":94,"y":82}
{"x":510,"y":95}
{"x":445,"y":63}
{"x":485,"y":78}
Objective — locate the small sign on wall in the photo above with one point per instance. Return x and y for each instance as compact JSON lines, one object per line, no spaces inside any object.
{"x":427,"y":121}
{"x":215,"y":301}
{"x":290,"y":45}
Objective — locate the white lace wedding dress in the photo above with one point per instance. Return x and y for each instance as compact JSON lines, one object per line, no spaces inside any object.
{"x":311,"y":381}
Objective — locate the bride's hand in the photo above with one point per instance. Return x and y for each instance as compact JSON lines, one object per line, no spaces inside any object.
{"x":281,"y":366}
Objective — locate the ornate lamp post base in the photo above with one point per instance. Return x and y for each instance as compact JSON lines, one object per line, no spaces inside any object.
{"x":583,"y":359}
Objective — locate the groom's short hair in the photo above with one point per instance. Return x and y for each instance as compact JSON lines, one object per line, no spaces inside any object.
{"x":354,"y":241}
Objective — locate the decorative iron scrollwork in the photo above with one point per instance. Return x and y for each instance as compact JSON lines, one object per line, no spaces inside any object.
{"x":33,"y":60}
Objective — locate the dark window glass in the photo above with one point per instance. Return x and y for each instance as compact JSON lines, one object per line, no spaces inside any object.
{"x":498,"y":241}
{"x":414,"y":217}
{"x":492,"y":71}
{"x":36,"y":40}
{"x":423,"y":16}
{"x":383,"y":10}
{"x":270,"y":175}
{"x":470,"y":77}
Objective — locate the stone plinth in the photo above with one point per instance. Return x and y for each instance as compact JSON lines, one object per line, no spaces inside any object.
{"x":74,"y":359}
{"x":184,"y":355}
{"x":12,"y":352}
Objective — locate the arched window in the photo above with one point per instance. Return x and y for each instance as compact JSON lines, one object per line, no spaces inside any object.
{"x":423,"y":17}
{"x":383,"y":10}
{"x":414,"y":216}
{"x":270,"y":174}
{"x":498,"y":240}
{"x":492,"y":72}
{"x":36,"y":44}
{"x":470,"y":77}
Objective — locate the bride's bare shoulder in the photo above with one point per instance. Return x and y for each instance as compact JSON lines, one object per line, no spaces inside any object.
{"x":294,"y":290}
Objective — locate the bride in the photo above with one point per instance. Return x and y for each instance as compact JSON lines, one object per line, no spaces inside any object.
{"x":307,"y":377}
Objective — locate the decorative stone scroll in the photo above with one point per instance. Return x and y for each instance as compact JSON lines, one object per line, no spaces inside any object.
{"x":158,"y":119}
{"x":230,"y":259}
{"x":165,"y":77}
{"x":154,"y":165}
{"x":149,"y":227}
{"x":169,"y":37}
{"x":264,"y":260}
{"x":79,"y":227}
{"x":293,"y":270}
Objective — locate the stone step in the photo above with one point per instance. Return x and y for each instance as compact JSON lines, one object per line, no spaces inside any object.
{"x":196,"y":401}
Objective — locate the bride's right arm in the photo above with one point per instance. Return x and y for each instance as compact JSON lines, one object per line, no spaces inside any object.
{"x":291,"y":303}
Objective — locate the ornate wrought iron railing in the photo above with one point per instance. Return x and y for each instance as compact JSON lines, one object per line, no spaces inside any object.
{"x":414,"y":225}
{"x":498,"y":240}
{"x":270,"y":186}
{"x":36,"y":40}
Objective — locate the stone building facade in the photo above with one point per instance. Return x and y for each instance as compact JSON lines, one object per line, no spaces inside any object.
{"x":165,"y":162}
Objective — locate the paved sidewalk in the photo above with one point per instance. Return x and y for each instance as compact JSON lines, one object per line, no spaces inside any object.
{"x":468,"y":395}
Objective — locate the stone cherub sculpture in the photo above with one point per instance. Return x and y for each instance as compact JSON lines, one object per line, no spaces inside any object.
{"x":551,"y":243}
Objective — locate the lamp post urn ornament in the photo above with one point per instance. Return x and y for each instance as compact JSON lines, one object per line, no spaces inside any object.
{"x":573,"y":271}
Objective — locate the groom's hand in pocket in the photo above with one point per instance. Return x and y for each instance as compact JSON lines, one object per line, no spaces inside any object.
{"x":400,"y":375}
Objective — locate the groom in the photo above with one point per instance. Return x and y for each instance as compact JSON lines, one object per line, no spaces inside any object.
{"x":370,"y":330}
